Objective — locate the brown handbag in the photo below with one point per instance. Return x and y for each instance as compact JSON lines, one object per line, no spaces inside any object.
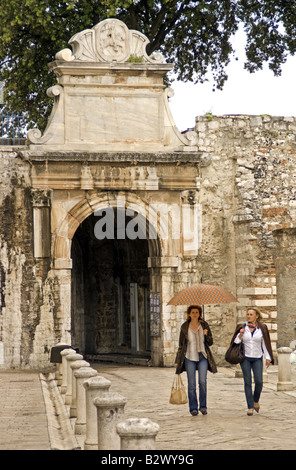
{"x":178,"y":393}
{"x":235,"y":354}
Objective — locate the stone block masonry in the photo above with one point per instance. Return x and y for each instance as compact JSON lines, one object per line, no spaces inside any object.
{"x":262,"y":152}
{"x":234,"y":174}
{"x":248,"y":198}
{"x":22,"y":275}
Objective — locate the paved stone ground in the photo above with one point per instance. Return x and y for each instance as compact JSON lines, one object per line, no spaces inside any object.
{"x":23,"y":419}
{"x":225,"y":427}
{"x":28,"y":418}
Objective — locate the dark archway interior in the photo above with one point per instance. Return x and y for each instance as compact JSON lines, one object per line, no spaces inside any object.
{"x":110,"y":290}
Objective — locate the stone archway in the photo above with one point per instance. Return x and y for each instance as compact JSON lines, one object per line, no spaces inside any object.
{"x":110,"y":293}
{"x":111,"y":278}
{"x":111,"y":136}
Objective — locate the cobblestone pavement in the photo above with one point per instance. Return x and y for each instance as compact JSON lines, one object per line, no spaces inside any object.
{"x":25,"y":415}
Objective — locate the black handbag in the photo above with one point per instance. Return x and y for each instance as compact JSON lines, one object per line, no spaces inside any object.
{"x":235,"y":354}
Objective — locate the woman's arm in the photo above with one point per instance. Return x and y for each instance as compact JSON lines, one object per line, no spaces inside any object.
{"x":207,"y":333}
{"x":181,"y":343}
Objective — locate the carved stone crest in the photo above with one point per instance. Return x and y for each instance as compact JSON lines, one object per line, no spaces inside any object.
{"x":109,"y":41}
{"x":112,"y":41}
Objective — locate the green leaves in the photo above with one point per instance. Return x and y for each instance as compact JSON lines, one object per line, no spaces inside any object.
{"x":271,"y":32}
{"x":194,"y":35}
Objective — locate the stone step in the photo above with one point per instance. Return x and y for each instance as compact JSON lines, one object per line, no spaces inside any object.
{"x":134,"y":359}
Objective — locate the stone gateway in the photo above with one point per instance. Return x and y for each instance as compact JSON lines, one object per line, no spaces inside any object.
{"x":112,"y":210}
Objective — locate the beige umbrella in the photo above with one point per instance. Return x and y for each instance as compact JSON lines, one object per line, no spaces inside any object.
{"x":202,"y":294}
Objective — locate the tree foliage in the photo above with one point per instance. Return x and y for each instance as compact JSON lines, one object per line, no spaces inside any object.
{"x":194,"y":35}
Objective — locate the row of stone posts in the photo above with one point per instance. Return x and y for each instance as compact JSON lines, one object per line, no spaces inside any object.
{"x":99,"y":413}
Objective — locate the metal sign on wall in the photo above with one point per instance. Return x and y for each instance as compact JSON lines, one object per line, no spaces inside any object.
{"x":155,"y":314}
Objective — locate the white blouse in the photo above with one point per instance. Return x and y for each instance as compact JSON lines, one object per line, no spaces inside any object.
{"x":196,"y":344}
{"x":254,"y":344}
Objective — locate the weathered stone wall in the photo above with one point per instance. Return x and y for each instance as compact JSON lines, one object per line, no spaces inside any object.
{"x":15,"y":252}
{"x":27,"y":308}
{"x":261,"y":150}
{"x":19,"y":293}
{"x":285,"y":263}
{"x":246,"y":191}
{"x":216,"y":258}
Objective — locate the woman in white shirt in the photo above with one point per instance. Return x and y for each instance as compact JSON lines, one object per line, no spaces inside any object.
{"x":256,"y":340}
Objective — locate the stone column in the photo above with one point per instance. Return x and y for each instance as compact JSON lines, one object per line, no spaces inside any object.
{"x":70,"y":358}
{"x":284,"y":369}
{"x":110,"y":411}
{"x":137,"y":434}
{"x":74,"y":367}
{"x":94,"y":388}
{"x":62,"y":292}
{"x":81,"y":375}
{"x":284,"y":255}
{"x":64,"y":353}
{"x":41,"y":223}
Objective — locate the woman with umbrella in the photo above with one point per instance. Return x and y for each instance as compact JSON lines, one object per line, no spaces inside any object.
{"x":193,"y":355}
{"x":195,"y":339}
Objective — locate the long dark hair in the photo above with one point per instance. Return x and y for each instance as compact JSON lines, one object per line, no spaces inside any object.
{"x":191,"y":307}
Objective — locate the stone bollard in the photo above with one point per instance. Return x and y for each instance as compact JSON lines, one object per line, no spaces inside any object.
{"x":56,"y":358}
{"x":110,"y":410}
{"x":64,"y":353}
{"x":94,"y":388}
{"x":70,"y":358}
{"x":59,"y":373}
{"x":75,"y":365}
{"x":81,"y":375}
{"x":137,"y":434}
{"x":284,"y":369}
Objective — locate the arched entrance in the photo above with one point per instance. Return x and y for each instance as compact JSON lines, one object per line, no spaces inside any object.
{"x":111,"y":284}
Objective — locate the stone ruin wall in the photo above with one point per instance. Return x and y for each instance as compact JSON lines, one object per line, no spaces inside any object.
{"x":27,"y":307}
{"x":246,"y":193}
{"x":260,"y":150}
{"x":17,"y":322}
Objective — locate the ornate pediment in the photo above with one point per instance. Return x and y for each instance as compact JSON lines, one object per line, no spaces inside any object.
{"x":109,"y":41}
{"x":110,"y":96}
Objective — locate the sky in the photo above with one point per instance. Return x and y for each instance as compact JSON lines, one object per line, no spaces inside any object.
{"x":243,"y":93}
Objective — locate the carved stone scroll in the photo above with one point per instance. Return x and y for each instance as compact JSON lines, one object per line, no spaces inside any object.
{"x":109,"y":41}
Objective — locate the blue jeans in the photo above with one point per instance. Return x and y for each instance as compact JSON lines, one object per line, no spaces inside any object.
{"x":248,"y":365}
{"x":202,"y":367}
